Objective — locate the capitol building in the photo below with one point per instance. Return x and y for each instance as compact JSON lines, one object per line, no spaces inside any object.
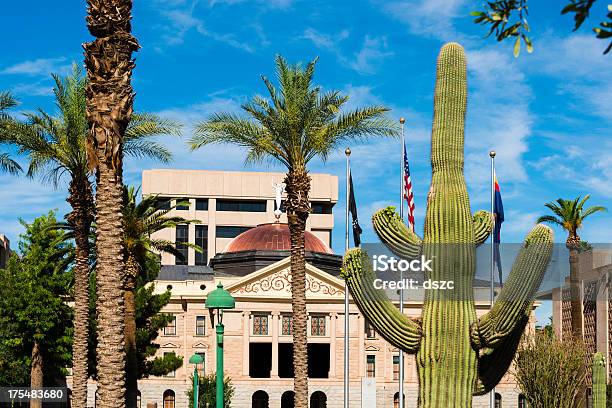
{"x":246,"y":248}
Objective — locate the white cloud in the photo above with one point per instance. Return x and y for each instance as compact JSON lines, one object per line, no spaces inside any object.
{"x":426,"y":18}
{"x":374,"y":50}
{"x":581,"y":71}
{"x":498,"y":116}
{"x":182,"y":20}
{"x":372,"y":53}
{"x":41,"y":66}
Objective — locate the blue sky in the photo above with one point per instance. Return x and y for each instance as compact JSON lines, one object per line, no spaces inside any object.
{"x":546,"y":114}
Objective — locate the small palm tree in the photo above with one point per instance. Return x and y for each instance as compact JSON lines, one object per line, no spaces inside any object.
{"x":6,"y":163}
{"x":140,"y":221}
{"x":570,"y":215}
{"x":56,"y":147}
{"x":297,"y":124}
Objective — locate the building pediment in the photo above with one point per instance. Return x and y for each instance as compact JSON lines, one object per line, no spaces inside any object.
{"x":274,"y":281}
{"x":170,"y":345}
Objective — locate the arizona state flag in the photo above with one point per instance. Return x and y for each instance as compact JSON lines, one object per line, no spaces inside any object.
{"x":353,"y":210}
{"x":498,"y":213}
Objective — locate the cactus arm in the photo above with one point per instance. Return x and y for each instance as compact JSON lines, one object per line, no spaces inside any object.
{"x":516,"y":298}
{"x":494,"y":363}
{"x":599,"y":381}
{"x":399,"y":330}
{"x":483,"y":225}
{"x":392,"y":231}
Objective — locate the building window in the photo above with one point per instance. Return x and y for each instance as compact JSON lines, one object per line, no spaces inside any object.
{"x":370,"y":366}
{"x":138,"y":399}
{"x":182,"y":237}
{"x":522,"y":401}
{"x":182,"y":204}
{"x":162,"y":203}
{"x":171,"y":374}
{"x":202,"y":204}
{"x":498,"y":400}
{"x":260,"y":325}
{"x":317,"y":326}
{"x":321,"y":208}
{"x":241,"y":205}
{"x":169,"y":399}
{"x":369,"y":330}
{"x":396,"y":367}
{"x":170,"y":328}
{"x":287,"y":325}
{"x":200,"y":325}
{"x":227,"y":231}
{"x":201,"y":240}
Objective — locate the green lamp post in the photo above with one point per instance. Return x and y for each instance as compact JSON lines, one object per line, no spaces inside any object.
{"x":219,"y":300}
{"x":196,"y":359}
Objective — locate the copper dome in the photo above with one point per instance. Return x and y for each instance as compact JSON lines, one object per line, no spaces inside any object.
{"x":273,"y":237}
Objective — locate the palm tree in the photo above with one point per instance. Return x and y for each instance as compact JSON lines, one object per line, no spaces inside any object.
{"x":297,"y":124}
{"x":569,"y":215}
{"x":110,"y":101}
{"x":6,"y":163}
{"x":56,"y":146}
{"x":140,"y":222}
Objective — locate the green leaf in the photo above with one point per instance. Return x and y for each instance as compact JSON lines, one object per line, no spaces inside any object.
{"x":476,"y":13}
{"x":517,"y":47}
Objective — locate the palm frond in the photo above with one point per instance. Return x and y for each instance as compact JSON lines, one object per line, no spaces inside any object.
{"x":9,"y":165}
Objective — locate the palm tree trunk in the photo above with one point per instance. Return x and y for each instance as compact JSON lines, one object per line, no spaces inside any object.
{"x":298,"y":209}
{"x":81,"y":199}
{"x":110,"y":99}
{"x":573,"y":243}
{"x":131,"y":366}
{"x":36,"y":373}
{"x":110,"y":306}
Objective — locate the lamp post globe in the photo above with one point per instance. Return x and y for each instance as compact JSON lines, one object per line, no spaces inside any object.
{"x":220,"y":300}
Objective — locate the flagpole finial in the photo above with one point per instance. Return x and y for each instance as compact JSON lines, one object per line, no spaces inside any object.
{"x":492,"y":154}
{"x":347,"y":151}
{"x":402,"y":121}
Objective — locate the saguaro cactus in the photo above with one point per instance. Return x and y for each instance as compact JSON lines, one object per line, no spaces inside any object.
{"x":599,"y":381}
{"x":457,"y":355}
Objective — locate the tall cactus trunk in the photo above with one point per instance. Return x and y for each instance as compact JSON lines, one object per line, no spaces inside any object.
{"x":599,"y":381}
{"x":457,"y":355}
{"x":448,"y":314}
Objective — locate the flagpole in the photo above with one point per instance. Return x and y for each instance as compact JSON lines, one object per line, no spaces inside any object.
{"x":492,"y":277}
{"x":401,"y":302}
{"x":347,"y":152}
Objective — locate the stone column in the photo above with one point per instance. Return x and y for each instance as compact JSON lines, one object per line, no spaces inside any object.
{"x":275,"y":323}
{"x":332,"y":344}
{"x":246,"y":340}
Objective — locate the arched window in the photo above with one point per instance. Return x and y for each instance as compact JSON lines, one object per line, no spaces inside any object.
{"x":396,"y":400}
{"x":498,"y":400}
{"x":522,"y":401}
{"x":138,"y":399}
{"x":318,"y":399}
{"x":288,"y":399}
{"x":260,"y":399}
{"x":169,"y":399}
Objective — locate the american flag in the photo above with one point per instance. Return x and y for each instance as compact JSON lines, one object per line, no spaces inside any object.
{"x":408,"y":191}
